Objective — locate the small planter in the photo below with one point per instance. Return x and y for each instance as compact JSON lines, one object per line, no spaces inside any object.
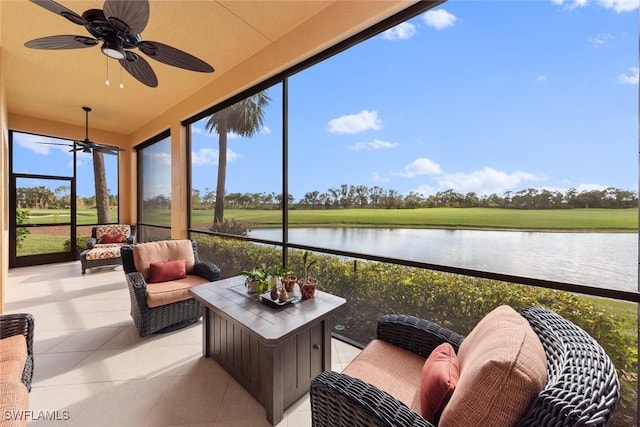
{"x":288,"y":282}
{"x":252,"y":286}
{"x":308,"y":287}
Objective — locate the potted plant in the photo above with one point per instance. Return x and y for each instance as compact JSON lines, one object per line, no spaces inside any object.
{"x":258,"y":279}
{"x":287,"y":278}
{"x":308,"y":284}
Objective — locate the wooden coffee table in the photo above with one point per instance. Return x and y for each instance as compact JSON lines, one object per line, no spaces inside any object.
{"x":273,"y":352}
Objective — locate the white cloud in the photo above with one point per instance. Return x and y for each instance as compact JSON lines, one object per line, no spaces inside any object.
{"x":570,"y":4}
{"x":376,"y":144}
{"x":209,"y":156}
{"x":439,"y":19}
{"x":204,"y":156}
{"x":600,"y":39}
{"x":630,"y":77}
{"x":34,"y":143}
{"x":355,"y":123}
{"x":163,"y":158}
{"x":421,"y":166}
{"x":485,"y":181}
{"x":541,"y":78}
{"x":403,"y":31}
{"x":590,"y":187}
{"x":376,"y":177}
{"x":619,"y":5}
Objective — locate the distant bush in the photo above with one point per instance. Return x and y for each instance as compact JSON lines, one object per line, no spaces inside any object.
{"x":81,"y":244}
{"x":22,"y":215}
{"x":229,"y":227}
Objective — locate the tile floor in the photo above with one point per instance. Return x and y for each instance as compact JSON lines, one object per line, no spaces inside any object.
{"x":93,"y":368}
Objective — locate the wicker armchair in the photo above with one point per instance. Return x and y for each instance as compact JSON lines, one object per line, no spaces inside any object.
{"x":168,"y":317}
{"x":582,"y":387}
{"x":20,"y":324}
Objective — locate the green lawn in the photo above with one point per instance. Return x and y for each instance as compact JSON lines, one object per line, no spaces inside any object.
{"x":42,"y":244}
{"x":551,"y":219}
{"x":62,"y":216}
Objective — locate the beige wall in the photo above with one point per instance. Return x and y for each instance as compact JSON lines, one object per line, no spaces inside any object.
{"x":4,"y":185}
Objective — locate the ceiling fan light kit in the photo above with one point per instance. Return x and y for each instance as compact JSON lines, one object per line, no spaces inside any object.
{"x":118,"y":26}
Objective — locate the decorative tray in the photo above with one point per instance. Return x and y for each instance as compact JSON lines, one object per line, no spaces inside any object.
{"x":266,"y":298}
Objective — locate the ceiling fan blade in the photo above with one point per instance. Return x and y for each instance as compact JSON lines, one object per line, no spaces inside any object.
{"x":172,"y":56}
{"x":139,"y":69}
{"x":59,"y":9}
{"x":128,"y":16}
{"x":55,"y":143}
{"x":61,"y":42}
{"x":107,"y":149}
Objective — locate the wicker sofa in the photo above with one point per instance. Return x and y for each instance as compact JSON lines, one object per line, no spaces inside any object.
{"x":102,"y":249}
{"x":581,"y":388}
{"x":164,"y":305}
{"x":16,"y":366}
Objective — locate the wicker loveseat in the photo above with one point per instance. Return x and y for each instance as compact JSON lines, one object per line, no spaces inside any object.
{"x":581,"y":388}
{"x":162,"y":303}
{"x":16,"y":367}
{"x":103,"y":247}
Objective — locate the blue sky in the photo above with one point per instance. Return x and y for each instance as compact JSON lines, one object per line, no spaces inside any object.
{"x":482,"y":96}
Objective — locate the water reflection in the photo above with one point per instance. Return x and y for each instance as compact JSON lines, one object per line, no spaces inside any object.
{"x":605,"y":260}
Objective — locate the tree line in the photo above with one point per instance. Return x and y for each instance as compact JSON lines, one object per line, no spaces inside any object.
{"x":41,"y":197}
{"x":361,"y":196}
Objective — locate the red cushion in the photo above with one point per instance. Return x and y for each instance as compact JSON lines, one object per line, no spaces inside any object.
{"x":112,"y":238}
{"x":440,"y":375}
{"x":167,"y":270}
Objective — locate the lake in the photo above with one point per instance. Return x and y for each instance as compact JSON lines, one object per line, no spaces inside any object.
{"x":605,"y":260}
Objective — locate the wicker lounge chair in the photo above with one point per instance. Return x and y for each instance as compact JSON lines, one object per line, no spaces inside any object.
{"x":99,"y":254}
{"x":172,"y":315}
{"x":582,"y":387}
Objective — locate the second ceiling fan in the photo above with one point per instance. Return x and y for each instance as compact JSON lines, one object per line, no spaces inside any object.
{"x":118,"y":26}
{"x":86,"y":145}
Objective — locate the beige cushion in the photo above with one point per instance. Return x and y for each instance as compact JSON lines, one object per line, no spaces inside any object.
{"x":172,"y":291}
{"x":390,"y":368}
{"x":502,"y":368}
{"x":13,"y":397}
{"x":14,"y":348}
{"x":166,"y":250}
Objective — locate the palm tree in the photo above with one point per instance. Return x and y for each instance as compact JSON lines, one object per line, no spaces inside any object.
{"x":244,"y":118}
{"x":102,"y":193}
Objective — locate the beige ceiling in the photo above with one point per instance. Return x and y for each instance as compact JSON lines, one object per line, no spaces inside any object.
{"x":236,"y":37}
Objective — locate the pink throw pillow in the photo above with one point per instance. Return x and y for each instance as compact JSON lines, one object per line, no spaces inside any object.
{"x":440,"y":375}
{"x":112,"y":238}
{"x":167,"y":270}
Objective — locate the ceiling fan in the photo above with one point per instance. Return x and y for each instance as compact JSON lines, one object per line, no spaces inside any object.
{"x":118,"y":26}
{"x":88,"y":146}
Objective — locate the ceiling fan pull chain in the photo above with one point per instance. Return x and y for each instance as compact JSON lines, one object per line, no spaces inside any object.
{"x":107,"y":81}
{"x":121,"y":84}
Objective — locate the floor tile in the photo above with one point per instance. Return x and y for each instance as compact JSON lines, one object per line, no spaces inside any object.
{"x":92,"y":367}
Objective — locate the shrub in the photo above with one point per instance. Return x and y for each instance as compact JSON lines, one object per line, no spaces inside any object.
{"x":81,"y":244}
{"x":229,"y":227}
{"x":22,"y":216}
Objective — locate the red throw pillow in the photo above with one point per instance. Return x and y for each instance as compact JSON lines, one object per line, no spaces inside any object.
{"x":167,"y":270}
{"x":440,"y":375}
{"x":112,"y":238}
